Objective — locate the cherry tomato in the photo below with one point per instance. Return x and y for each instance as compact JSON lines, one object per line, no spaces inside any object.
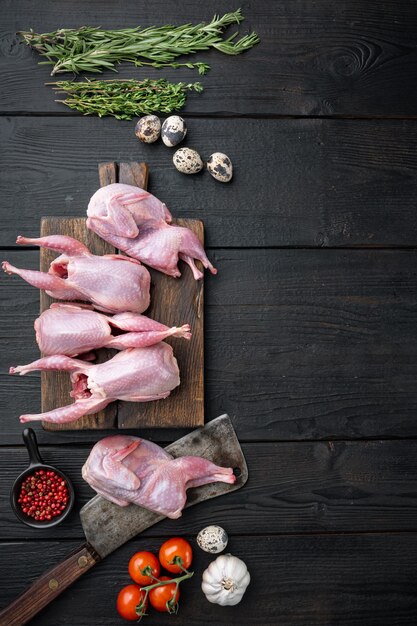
{"x":172,"y":548}
{"x":159,"y":596}
{"x":127,"y":600}
{"x":138,"y":562}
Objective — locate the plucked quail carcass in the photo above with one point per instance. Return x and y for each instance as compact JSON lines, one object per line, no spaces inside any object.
{"x":74,"y":329}
{"x":113,"y":283}
{"x":137,"y":223}
{"x":134,"y":375}
{"x":126,"y":469}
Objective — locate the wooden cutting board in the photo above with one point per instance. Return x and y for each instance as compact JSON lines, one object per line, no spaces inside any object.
{"x":173,"y":302}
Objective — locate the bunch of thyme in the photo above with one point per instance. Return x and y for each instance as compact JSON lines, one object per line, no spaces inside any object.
{"x":92,"y":49}
{"x":125,"y":99}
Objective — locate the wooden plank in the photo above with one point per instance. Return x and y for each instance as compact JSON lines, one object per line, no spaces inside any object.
{"x":173,"y":303}
{"x":316,"y":580}
{"x":300,"y":344}
{"x":107,"y":174}
{"x":353,"y":57}
{"x":297,"y":487}
{"x":56,"y":386}
{"x":335,"y":182}
{"x":136,"y":174}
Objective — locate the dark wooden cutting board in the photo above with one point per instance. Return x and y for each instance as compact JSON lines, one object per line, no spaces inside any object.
{"x":173,"y":302}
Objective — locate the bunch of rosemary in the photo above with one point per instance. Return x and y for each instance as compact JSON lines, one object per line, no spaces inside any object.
{"x":94,"y":49}
{"x":124,"y":99}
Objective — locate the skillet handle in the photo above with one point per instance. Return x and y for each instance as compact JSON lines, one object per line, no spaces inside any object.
{"x":49,"y":586}
{"x":31,"y":444}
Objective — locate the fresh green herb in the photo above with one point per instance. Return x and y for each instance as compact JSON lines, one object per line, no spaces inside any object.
{"x":92,"y":49}
{"x":125,"y":99}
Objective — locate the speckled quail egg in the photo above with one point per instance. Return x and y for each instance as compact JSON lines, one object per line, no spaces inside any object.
{"x":187,"y":161}
{"x":173,"y":131}
{"x":220,"y":167}
{"x":148,"y":128}
{"x":212,"y":539}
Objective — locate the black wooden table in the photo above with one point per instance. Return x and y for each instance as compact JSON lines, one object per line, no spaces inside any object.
{"x":310,"y":323}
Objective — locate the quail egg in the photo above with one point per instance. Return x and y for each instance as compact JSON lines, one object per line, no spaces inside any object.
{"x":220,"y":167}
{"x":187,"y":161}
{"x":148,"y":128}
{"x":212,"y":539}
{"x":173,"y":131}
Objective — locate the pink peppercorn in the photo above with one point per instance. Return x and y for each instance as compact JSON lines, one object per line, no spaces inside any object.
{"x":43,"y":495}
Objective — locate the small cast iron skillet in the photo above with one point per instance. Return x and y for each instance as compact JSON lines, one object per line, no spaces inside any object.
{"x":36,"y":463}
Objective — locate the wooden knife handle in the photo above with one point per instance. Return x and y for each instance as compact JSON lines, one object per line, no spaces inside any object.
{"x":48,"y":587}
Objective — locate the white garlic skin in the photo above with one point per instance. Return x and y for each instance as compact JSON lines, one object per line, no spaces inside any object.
{"x":187,"y":161}
{"x":173,"y":131}
{"x":225,"y":580}
{"x":148,"y":128}
{"x":212,"y":539}
{"x":220,"y":167}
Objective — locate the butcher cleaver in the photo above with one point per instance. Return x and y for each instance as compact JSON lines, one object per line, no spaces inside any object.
{"x":108,"y":526}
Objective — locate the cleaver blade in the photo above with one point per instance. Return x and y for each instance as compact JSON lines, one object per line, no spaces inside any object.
{"x":108,"y":526}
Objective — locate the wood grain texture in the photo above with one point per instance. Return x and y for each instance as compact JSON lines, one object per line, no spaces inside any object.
{"x":48,"y":587}
{"x":297,"y":487}
{"x":300,"y":344}
{"x":107,"y":174}
{"x":353,"y":57}
{"x":318,"y":182}
{"x":107,"y":526}
{"x":136,"y":174}
{"x":173,"y":302}
{"x":302,"y":580}
{"x":56,"y":386}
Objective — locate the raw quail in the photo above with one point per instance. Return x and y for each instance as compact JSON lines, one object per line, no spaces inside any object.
{"x":134,"y":375}
{"x":73,"y":329}
{"x":137,"y":223}
{"x":126,"y":469}
{"x":113,"y":283}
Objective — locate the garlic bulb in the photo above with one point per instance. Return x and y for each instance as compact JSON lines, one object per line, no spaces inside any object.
{"x":225,"y":580}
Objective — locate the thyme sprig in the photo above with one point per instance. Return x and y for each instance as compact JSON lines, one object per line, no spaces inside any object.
{"x":90,"y":49}
{"x":124,"y":99}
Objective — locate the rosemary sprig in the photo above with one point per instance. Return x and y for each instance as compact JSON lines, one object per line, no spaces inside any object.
{"x":92,"y":49}
{"x":124,"y":99}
